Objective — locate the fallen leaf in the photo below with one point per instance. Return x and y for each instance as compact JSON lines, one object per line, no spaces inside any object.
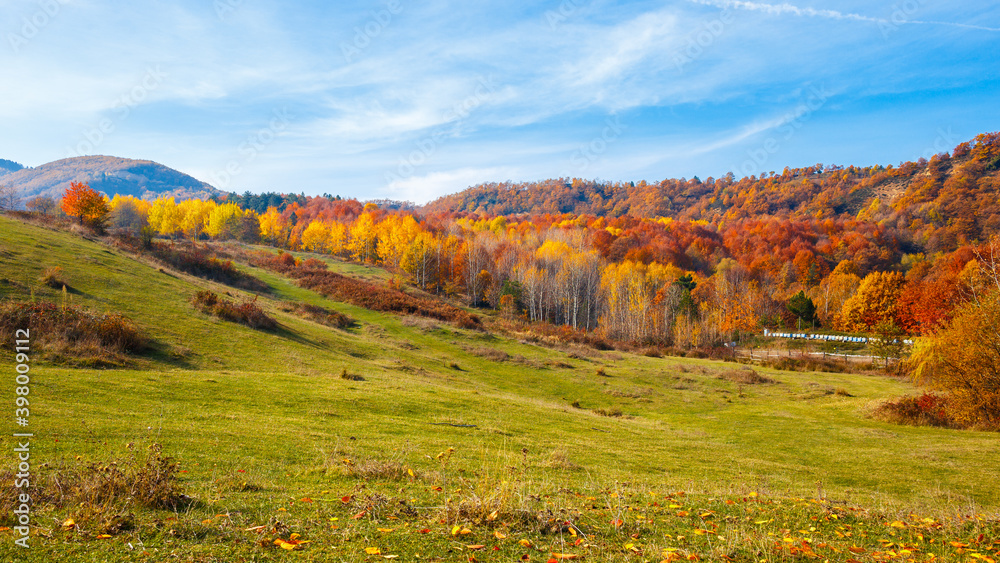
{"x":385,"y":530}
{"x":69,"y":524}
{"x":564,"y":556}
{"x":373,"y":551}
{"x":499,"y":535}
{"x":103,"y":537}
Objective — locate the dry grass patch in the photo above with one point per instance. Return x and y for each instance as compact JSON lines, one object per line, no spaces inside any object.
{"x":745,"y":376}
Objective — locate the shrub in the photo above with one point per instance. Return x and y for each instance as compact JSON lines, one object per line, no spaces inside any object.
{"x":319,"y":314}
{"x":73,"y":333}
{"x":246,"y":312}
{"x":102,"y":493}
{"x":52,"y":277}
{"x":375,"y":297}
{"x":925,"y":410}
{"x":350,"y":376}
{"x":197,"y":261}
{"x":745,"y":377}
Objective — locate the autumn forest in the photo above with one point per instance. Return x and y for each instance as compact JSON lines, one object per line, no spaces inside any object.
{"x":884,"y":250}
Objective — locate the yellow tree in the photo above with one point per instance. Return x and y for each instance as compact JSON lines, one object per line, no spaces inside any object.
{"x":963,"y":358}
{"x":195,"y":214}
{"x":874,"y":302}
{"x":364,"y":238}
{"x":129,"y":213}
{"x":336,"y":241}
{"x":316,"y":236}
{"x":273,"y":227}
{"x":419,"y":261}
{"x":395,"y":234}
{"x":165,"y":217}
{"x":224,"y":221}
{"x":834,"y":291}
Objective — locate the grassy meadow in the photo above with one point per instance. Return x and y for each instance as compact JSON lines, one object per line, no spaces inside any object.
{"x":447,"y":444}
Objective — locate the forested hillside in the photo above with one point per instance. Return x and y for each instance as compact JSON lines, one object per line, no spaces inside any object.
{"x":941,"y":202}
{"x":686,"y":263}
{"x":108,"y":174}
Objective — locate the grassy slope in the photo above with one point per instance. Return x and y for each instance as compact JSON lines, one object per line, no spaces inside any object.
{"x":222,"y":397}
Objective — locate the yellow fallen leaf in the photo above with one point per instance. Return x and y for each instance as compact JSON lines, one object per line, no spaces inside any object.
{"x":898,"y":524}
{"x":499,"y":535}
{"x":373,"y":551}
{"x":69,"y":523}
{"x":385,"y":530}
{"x":410,"y":471}
{"x":456,"y":530}
{"x":475,"y":547}
{"x":103,"y":537}
{"x":524,"y":543}
{"x":206,"y":521}
{"x":564,"y":556}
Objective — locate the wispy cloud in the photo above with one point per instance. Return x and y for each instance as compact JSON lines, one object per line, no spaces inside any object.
{"x":785,"y":8}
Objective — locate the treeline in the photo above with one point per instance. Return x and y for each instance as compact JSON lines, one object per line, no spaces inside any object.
{"x":689,"y":277}
{"x":936,"y":205}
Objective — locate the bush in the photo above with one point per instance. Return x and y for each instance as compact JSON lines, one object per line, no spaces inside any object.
{"x":72,"y":333}
{"x":319,"y":314}
{"x":52,"y":277}
{"x":102,"y":493}
{"x":197,"y":261}
{"x":375,"y":297}
{"x":246,"y":312}
{"x":925,"y":410}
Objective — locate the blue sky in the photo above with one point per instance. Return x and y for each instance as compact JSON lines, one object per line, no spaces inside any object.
{"x":413,"y":100}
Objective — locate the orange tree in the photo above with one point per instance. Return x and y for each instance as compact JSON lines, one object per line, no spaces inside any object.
{"x":85,"y":204}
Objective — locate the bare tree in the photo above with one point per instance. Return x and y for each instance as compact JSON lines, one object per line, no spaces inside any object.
{"x":42,"y":204}
{"x":10,"y":197}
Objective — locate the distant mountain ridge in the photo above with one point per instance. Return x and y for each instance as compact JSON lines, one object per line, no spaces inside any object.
{"x":112,"y":175}
{"x":8,"y":166}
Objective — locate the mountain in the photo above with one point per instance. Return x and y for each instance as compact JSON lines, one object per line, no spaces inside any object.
{"x":140,"y":178}
{"x":8,"y":166}
{"x":961,"y":189}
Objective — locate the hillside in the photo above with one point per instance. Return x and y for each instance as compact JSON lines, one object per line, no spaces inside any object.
{"x":140,"y":178}
{"x":960,"y":189}
{"x":441,"y":427}
{"x":8,"y":166}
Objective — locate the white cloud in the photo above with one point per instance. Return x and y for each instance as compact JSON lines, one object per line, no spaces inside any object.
{"x":421,"y":189}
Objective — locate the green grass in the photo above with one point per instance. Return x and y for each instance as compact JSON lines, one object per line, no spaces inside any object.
{"x":269,"y":408}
